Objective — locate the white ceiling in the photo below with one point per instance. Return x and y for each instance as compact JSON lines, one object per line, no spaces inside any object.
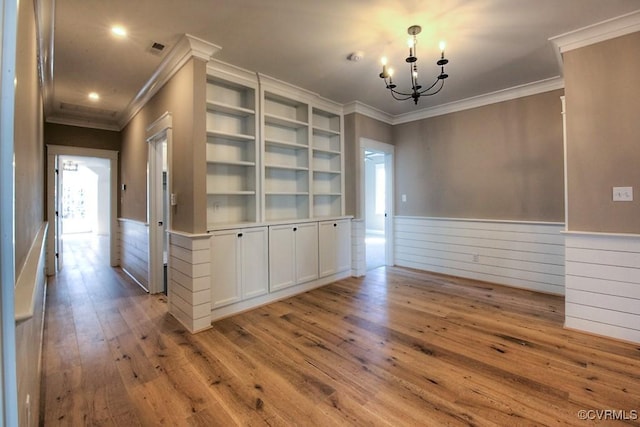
{"x":491,"y":45}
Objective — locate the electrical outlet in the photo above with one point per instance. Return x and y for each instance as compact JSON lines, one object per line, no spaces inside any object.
{"x":404,"y":197}
{"x":622,"y":194}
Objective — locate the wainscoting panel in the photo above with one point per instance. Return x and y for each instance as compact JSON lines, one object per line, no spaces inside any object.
{"x":30,"y":292}
{"x":603,"y":284}
{"x":189,"y":290}
{"x":520,"y":254}
{"x":134,"y":250}
{"x":358,"y":258}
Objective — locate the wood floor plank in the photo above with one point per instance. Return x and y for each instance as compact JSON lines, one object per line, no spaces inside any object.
{"x":397,"y":347}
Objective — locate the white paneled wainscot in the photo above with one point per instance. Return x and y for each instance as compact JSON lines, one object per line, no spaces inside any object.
{"x":603,"y":284}
{"x":358,"y":253}
{"x":134,"y":250}
{"x":520,"y":254}
{"x":189,"y":281}
{"x":230,"y":270}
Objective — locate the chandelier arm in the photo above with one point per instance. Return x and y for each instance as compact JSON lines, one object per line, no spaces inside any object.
{"x":422,"y":92}
{"x":394,"y":93}
{"x":439,"y":89}
{"x":397,"y":92}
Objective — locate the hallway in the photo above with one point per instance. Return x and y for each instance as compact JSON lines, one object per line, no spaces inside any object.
{"x":92,"y":315}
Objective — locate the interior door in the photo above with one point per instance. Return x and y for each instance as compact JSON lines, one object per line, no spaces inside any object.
{"x":158,"y":210}
{"x":59,"y":176}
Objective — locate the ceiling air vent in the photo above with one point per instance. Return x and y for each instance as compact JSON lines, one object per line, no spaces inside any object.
{"x":156,"y":48}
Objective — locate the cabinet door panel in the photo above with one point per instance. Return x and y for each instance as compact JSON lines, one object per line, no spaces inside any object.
{"x":254,"y":259}
{"x":225,"y":274}
{"x":343,"y":245}
{"x":281,"y":257}
{"x":326,"y":248}
{"x":306,"y":255}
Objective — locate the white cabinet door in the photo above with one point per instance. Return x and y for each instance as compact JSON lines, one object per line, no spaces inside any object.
{"x":334,"y":242}
{"x":254,"y":261}
{"x":281,"y":257}
{"x":343,"y":245}
{"x":293,"y":254}
{"x":326,"y":247}
{"x":225,"y":268}
{"x":306,"y":251}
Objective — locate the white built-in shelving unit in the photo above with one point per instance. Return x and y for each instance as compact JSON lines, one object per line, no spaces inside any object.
{"x":275,"y":198}
{"x":286,"y":158}
{"x":232,"y":151}
{"x":327,"y":163}
{"x":274,"y":152}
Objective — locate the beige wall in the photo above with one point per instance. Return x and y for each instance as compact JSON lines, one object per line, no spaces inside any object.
{"x":501,"y":161}
{"x":603,"y":134}
{"x":184,"y":97}
{"x":75,"y":136}
{"x":29,"y":154}
{"x":358,"y":126}
{"x":29,"y":203}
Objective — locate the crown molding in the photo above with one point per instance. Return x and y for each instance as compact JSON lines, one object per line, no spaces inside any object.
{"x":515,"y":92}
{"x":286,"y":89}
{"x":226,"y":71}
{"x":84,"y":123}
{"x":598,"y":32}
{"x":528,"y":89}
{"x":366,"y":110}
{"x":187,"y":47}
{"x":45,"y":22}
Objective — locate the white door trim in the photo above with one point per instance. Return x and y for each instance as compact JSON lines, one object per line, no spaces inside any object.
{"x":112,"y":156}
{"x":389,"y":151}
{"x":8,"y":376}
{"x":160,"y":130}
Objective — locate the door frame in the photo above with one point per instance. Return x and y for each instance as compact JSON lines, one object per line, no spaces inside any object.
{"x":161,"y":129}
{"x":54,"y":151}
{"x":389,"y":152}
{"x":8,"y":375}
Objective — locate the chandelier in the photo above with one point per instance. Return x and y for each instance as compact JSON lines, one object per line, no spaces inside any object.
{"x":417,"y":90}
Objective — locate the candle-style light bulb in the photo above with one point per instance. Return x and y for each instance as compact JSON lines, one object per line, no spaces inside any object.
{"x":390,"y":72}
{"x":384,"y":73}
{"x":442,"y":46}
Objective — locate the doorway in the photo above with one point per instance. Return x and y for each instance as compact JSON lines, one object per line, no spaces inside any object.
{"x":377,"y":186}
{"x":159,"y":198}
{"x":83,"y":208}
{"x":76,"y":207}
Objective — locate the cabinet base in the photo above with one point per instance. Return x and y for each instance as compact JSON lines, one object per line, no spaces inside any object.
{"x":250,"y":304}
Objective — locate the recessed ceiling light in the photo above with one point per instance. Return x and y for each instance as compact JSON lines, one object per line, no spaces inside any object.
{"x":118,"y":31}
{"x":94,"y":96}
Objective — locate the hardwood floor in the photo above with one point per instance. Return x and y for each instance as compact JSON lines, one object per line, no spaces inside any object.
{"x":398,"y":347}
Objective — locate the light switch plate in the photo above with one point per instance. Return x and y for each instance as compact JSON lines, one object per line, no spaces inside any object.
{"x":404,"y":197}
{"x":622,"y":194}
